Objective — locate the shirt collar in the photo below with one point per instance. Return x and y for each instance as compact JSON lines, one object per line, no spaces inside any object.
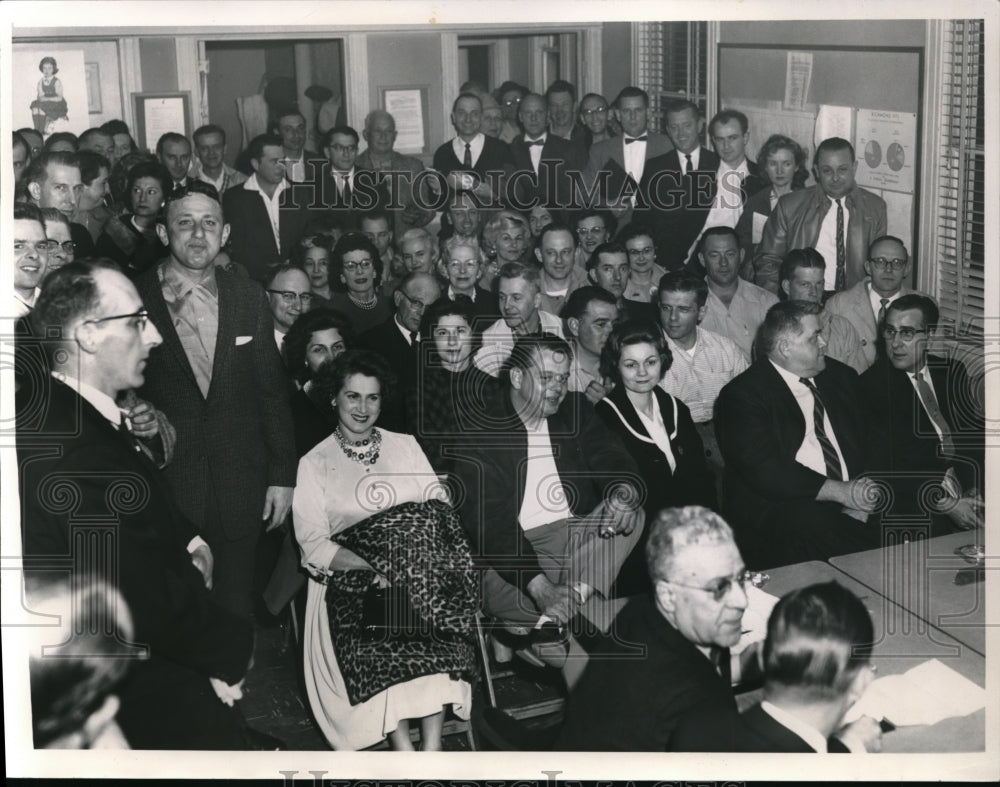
{"x":103,"y":403}
{"x":452,"y":294}
{"x":742,"y":167}
{"x":180,"y":285}
{"x":251,"y":184}
{"x":807,"y":732}
{"x":787,"y":376}
{"x":543,"y":137}
{"x":403,"y":329}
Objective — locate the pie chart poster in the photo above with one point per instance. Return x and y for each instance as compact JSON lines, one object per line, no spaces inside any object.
{"x":885,"y":144}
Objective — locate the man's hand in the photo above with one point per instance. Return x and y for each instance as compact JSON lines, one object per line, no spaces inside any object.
{"x":861,"y":494}
{"x":228,"y":694}
{"x":143,"y":418}
{"x":621,"y":514}
{"x":865,"y":732}
{"x":597,"y":390}
{"x":553,"y":600}
{"x":966,"y":512}
{"x":204,"y":562}
{"x":277,"y":504}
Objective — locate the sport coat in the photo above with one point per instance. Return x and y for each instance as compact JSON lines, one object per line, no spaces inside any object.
{"x":754,"y":730}
{"x":239,"y":440}
{"x":251,"y":238}
{"x":609,"y":155}
{"x":551,"y":186}
{"x":795,"y":224}
{"x":677,"y":205}
{"x":854,"y":306}
{"x":410,"y":214}
{"x":80,"y":476}
{"x":906,"y":447}
{"x":495,"y":157}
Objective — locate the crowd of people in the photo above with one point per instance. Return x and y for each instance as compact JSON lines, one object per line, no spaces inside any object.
{"x":572,"y":381}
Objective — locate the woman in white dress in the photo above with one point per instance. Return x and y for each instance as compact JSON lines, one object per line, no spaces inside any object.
{"x":355,"y":473}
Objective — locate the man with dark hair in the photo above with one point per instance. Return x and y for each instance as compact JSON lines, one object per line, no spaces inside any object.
{"x":471,"y":155}
{"x":21,"y":156}
{"x":801,"y":278}
{"x":608,"y":268}
{"x":926,"y":420}
{"x":210,"y":148}
{"x":795,"y":442}
{"x":174,"y":152}
{"x":561,"y":106}
{"x":542,"y":160}
{"x":31,"y":256}
{"x":347,"y":191}
{"x":680,"y":186}
{"x":670,"y":653}
{"x":864,"y":305}
{"x":301,"y":165}
{"x":53,"y":180}
{"x":817,"y":660}
{"x":97,"y":140}
{"x":555,"y":249}
{"x":33,"y":138}
{"x":122,"y":138}
{"x":196,"y":653}
{"x":735,"y":307}
{"x":220,"y":380}
{"x":625,"y":157}
{"x":588,"y":317}
{"x":267,"y":214}
{"x":551,"y":505}
{"x":836,"y":217}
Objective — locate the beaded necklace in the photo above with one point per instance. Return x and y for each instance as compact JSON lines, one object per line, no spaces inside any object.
{"x":368,"y":455}
{"x":367,"y":305}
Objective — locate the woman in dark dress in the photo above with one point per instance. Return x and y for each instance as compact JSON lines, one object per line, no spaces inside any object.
{"x":656,"y":429}
{"x":131,"y":239}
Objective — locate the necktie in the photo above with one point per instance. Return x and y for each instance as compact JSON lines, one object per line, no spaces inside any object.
{"x":533,"y":142}
{"x":880,"y":320}
{"x":841,"y":281}
{"x":830,"y":458}
{"x":467,"y":161}
{"x":630,"y":140}
{"x":687,"y":158}
{"x":413,"y":338}
{"x":720,"y":659}
{"x":347,"y":190}
{"x":934,"y":412}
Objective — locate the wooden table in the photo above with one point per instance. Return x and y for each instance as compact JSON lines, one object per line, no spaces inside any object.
{"x":901,"y":644}
{"x":919,"y":576}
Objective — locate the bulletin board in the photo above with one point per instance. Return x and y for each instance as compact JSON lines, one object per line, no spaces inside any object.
{"x":880,"y":91}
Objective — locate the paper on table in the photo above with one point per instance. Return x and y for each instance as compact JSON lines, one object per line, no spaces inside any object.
{"x":925,"y":694}
{"x":759,"y":606}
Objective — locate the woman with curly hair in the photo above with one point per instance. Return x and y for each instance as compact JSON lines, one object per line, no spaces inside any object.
{"x":355,"y":276}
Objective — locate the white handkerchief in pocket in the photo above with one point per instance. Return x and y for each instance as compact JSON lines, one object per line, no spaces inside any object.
{"x":240,"y":340}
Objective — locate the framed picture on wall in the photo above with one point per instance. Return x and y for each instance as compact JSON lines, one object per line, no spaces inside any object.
{"x":93,"y":71}
{"x":158,"y":113}
{"x":408,"y":107}
{"x":50,"y":93}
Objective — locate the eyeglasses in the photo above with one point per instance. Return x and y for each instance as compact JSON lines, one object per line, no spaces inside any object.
{"x":884,"y":264}
{"x":141,"y":318}
{"x":41,"y":246}
{"x":906,"y":334}
{"x":66,"y":245}
{"x":345,"y":148}
{"x":647,"y":251}
{"x":288,"y":297}
{"x":512,"y":102}
{"x":590,"y":230}
{"x":461,"y":265}
{"x":360,"y":265}
{"x":417,"y":304}
{"x":595,"y":111}
{"x":721,"y":587}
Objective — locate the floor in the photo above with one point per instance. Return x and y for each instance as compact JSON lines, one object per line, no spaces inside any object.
{"x":275,"y":701}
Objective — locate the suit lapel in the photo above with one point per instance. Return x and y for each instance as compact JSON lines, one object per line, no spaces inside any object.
{"x":226,"y":336}
{"x":152,"y":296}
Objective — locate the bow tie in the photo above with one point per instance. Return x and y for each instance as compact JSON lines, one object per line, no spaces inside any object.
{"x":630,"y":140}
{"x":533,"y":142}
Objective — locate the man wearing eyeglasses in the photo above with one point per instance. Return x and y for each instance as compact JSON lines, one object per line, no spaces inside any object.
{"x":670,"y":650}
{"x":162,"y":567}
{"x":267,"y":214}
{"x":927,"y":421}
{"x":795,"y":441}
{"x":220,"y":380}
{"x":288,"y":296}
{"x":836,"y":217}
{"x":864,"y":305}
{"x":398,"y":340}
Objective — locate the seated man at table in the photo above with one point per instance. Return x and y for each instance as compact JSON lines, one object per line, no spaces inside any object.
{"x":817,"y":663}
{"x":670,"y":650}
{"x":793,"y":436}
{"x":926,"y":422}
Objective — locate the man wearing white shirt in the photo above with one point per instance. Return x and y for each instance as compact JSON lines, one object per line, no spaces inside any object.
{"x":210,"y":148}
{"x":469,"y":159}
{"x":288,"y":296}
{"x":301,"y":165}
{"x":794,"y":438}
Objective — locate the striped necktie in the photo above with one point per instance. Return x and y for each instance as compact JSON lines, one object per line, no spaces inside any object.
{"x":830,"y":458}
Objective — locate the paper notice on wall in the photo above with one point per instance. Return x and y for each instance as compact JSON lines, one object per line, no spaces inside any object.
{"x":798,"y":75}
{"x":886,"y":147}
{"x":833,"y":121}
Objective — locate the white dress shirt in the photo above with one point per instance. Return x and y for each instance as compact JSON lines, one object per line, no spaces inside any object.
{"x":544,"y":498}
{"x":826,"y":243}
{"x":272,"y":204}
{"x":476,"y":145}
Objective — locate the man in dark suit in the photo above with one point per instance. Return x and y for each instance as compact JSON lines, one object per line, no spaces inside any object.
{"x":348,"y":192}
{"x":267,"y":214}
{"x":679,"y":187}
{"x":625,"y":159}
{"x":398,"y":341}
{"x":816,"y":665}
{"x":468,"y":159}
{"x":836,"y":217}
{"x":926,"y":422}
{"x":121,"y":515}
{"x":219,"y":379}
{"x":541,"y":161}
{"x":670,"y":651}
{"x":792,"y":433}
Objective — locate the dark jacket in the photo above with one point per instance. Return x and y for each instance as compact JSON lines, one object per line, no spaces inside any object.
{"x":551,"y":186}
